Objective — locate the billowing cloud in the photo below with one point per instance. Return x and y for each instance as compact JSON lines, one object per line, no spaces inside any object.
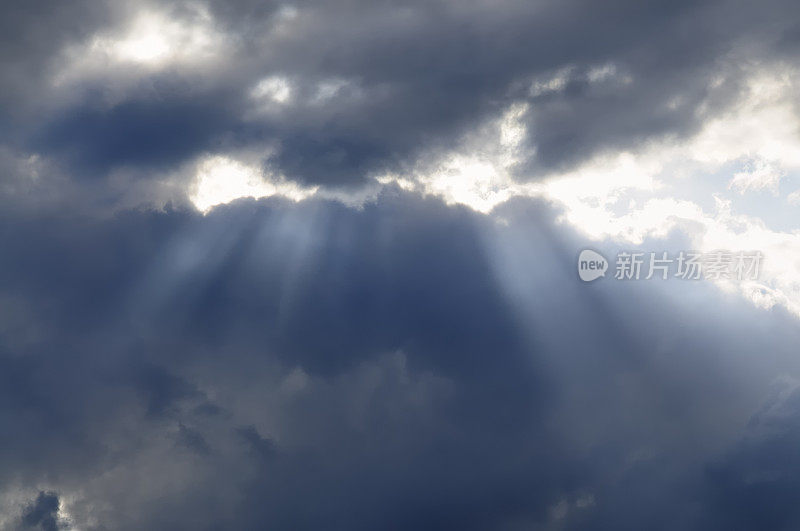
{"x":311,"y":265}
{"x":337,"y":93}
{"x":288,"y":364}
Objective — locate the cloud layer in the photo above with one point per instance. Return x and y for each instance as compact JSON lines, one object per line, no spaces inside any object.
{"x":312,"y":265}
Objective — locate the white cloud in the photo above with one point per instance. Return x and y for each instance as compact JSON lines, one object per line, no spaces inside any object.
{"x":761,"y":130}
{"x":155,"y":38}
{"x":152,"y":40}
{"x":759,"y":174}
{"x":479,"y":180}
{"x":273,"y":89}
{"x":221,"y":180}
{"x":631,"y":196}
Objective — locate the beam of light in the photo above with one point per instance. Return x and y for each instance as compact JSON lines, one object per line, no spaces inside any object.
{"x":664,"y":187}
{"x":710,"y":186}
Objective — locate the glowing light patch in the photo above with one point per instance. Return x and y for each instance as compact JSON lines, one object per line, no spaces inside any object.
{"x":469,"y":181}
{"x":273,"y":89}
{"x":480,"y":182}
{"x":148,"y":41}
{"x":761,"y":124}
{"x":221,"y":180}
{"x":760,"y":136}
{"x":153,"y":39}
{"x":663,"y":186}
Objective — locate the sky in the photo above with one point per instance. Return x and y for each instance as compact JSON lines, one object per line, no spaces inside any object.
{"x":315,"y":265}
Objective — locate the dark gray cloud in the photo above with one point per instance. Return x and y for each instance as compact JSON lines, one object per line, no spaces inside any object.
{"x":402,"y":365}
{"x":148,"y":133}
{"x":33,"y":35}
{"x":752,"y":485}
{"x":43,"y":513}
{"x":408,"y":365}
{"x":414,"y":78}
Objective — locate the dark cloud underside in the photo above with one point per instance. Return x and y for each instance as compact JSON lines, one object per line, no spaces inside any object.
{"x":418,"y":76}
{"x":298,"y":366}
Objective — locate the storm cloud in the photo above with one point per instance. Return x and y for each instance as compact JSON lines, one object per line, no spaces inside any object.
{"x":365,"y":345}
{"x":371,"y":88}
{"x":306,"y":365}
